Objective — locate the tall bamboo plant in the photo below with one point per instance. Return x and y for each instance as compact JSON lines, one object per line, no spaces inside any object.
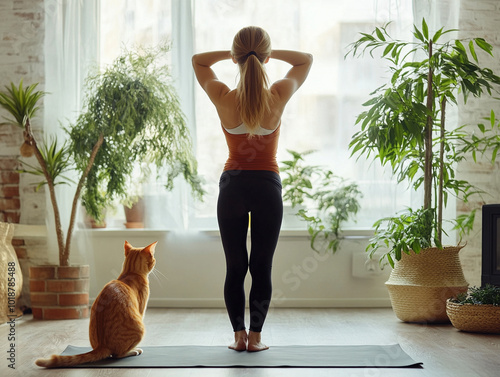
{"x":406,"y":128}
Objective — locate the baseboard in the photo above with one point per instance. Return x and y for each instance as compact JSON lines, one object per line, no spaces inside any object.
{"x":281,"y":303}
{"x":278,"y":303}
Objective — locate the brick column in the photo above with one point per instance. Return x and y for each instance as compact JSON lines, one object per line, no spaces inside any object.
{"x":59,"y":292}
{"x":22,"y":33}
{"x":10,"y":204}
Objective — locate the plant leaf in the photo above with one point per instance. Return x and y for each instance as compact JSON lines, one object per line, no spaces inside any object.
{"x":380,"y":35}
{"x":425,"y":29}
{"x":485,"y":46}
{"x":473,"y":51}
{"x":418,"y":35}
{"x":437,"y":35}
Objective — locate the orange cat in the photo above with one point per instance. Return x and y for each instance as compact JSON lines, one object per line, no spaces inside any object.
{"x":116,"y":326}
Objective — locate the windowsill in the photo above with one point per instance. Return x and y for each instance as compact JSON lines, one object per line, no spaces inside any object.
{"x":348,"y":233}
{"x":118,"y":232}
{"x":30,"y":231}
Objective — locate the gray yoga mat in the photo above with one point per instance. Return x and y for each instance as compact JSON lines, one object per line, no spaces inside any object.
{"x":351,"y":356}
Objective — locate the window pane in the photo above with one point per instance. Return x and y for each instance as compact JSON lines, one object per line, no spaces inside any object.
{"x":130,"y":24}
{"x":322,"y":114}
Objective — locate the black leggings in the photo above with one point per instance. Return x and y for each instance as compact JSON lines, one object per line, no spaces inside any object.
{"x":241,"y":192}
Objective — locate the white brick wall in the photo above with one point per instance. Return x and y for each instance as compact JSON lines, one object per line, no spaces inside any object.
{"x":22,"y":57}
{"x":479,"y":18}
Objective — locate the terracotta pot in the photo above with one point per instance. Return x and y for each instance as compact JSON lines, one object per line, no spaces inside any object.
{"x":420,"y":284}
{"x":59,"y":292}
{"x":90,"y":222}
{"x":135,"y":215}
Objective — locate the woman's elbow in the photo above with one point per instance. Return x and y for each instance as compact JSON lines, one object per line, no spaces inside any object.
{"x":194,"y":59}
{"x":309,"y":58}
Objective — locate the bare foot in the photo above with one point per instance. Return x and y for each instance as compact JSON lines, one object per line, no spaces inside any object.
{"x":254,"y":343}
{"x":240,"y":341}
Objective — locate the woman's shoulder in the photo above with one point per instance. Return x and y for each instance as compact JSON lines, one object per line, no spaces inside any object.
{"x":228,"y":99}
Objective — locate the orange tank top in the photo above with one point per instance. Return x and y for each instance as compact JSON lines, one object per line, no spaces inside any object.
{"x":257,"y":153}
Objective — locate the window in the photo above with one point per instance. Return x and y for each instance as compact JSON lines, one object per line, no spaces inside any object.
{"x":132,"y":22}
{"x":320,"y":116}
{"x":322,"y":113}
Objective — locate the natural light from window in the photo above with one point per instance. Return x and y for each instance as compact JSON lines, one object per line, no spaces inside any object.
{"x":320,"y":116}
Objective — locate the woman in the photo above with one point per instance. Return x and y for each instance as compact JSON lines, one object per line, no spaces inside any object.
{"x":251,"y":118}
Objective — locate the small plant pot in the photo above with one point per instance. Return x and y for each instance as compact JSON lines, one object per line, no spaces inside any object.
{"x":90,"y":222}
{"x":59,"y":292}
{"x":135,"y":215}
{"x":474,"y":318}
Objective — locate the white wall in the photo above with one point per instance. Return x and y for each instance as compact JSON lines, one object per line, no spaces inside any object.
{"x":192,"y":274}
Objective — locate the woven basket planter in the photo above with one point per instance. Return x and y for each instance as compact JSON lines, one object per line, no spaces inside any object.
{"x":474,"y":318}
{"x":420,"y":284}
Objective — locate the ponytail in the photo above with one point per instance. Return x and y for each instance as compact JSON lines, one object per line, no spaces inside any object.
{"x":252,"y":93}
{"x":251,"y":47}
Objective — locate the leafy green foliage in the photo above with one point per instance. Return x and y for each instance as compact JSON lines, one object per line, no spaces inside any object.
{"x":297,"y":182}
{"x":57,"y":160}
{"x":330,"y":201}
{"x":134,"y":105}
{"x":53,"y":160}
{"x":404,"y":124}
{"x":487,"y":295}
{"x":20,"y":102}
{"x":411,"y":230}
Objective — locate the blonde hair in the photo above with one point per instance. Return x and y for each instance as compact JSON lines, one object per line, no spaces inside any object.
{"x":251,"y":47}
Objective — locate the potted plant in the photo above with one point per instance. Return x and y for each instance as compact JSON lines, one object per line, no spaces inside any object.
{"x":405,"y":127}
{"x":326,"y":201}
{"x":150,"y":127}
{"x":134,"y":104}
{"x":133,"y":202}
{"x":135,"y":210}
{"x":478,"y":310}
{"x":56,"y":292}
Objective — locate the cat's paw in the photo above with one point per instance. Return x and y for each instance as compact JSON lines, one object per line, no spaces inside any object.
{"x":132,"y":352}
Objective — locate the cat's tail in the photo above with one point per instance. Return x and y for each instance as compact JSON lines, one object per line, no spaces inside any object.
{"x":57,"y":361}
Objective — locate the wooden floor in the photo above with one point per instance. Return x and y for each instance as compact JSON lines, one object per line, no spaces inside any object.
{"x":443,"y":350}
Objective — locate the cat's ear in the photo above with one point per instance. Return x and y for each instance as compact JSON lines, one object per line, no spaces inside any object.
{"x":150,"y":248}
{"x":128,"y":247}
